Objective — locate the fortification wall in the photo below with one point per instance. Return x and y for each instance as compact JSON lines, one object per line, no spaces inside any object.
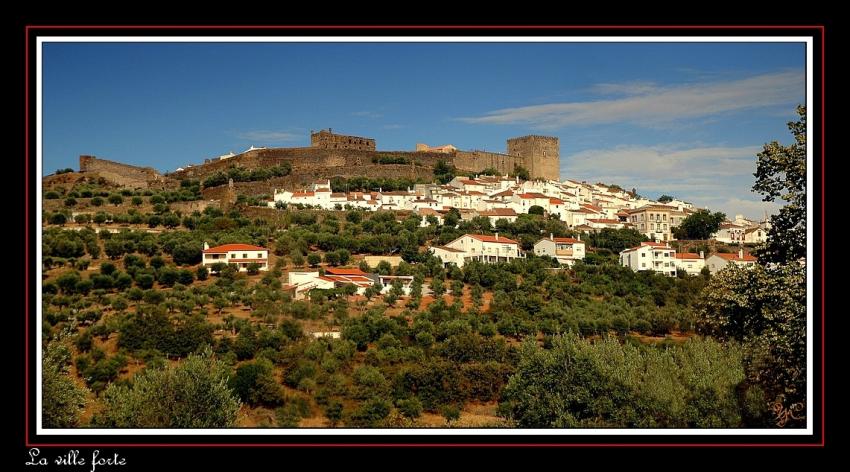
{"x":540,"y":155}
{"x":122,"y":174}
{"x":324,"y":162}
{"x":474,"y":161}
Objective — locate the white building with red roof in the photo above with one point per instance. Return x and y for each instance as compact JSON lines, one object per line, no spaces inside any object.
{"x":478,"y":247}
{"x":657,"y":257}
{"x":717,"y":262}
{"x":565,"y":250}
{"x":692,"y":263}
{"x":497,"y":214}
{"x":238,"y":254}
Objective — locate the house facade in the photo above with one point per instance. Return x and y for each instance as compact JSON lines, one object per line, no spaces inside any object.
{"x":717,"y":262}
{"x":238,"y":254}
{"x":565,"y":250}
{"x":657,"y":257}
{"x":479,"y":247}
{"x":690,"y":262}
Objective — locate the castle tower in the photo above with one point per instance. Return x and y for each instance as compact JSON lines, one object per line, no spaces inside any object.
{"x":541,"y":155}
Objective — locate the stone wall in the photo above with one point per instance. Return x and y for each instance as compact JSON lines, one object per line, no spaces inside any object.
{"x":122,"y":174}
{"x":540,"y":154}
{"x":475,"y":161}
{"x":326,"y":139}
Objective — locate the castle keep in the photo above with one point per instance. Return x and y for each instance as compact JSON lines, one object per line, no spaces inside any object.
{"x":326,"y":139}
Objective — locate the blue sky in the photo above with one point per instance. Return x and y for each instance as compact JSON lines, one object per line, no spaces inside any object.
{"x":684,"y":119}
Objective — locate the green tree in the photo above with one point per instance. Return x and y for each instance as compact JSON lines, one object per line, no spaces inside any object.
{"x":536,"y":210}
{"x":62,"y":399}
{"x":700,"y":225}
{"x":314,"y":259}
{"x":665,"y":199}
{"x":116,"y":199}
{"x":521,"y":172}
{"x":765,"y":309}
{"x":781,"y":173}
{"x":583,"y":383}
{"x":192,"y":394}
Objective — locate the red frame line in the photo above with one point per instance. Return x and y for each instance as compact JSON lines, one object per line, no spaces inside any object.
{"x":27,"y":29}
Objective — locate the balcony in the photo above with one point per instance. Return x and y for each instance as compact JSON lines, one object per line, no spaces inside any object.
{"x":563,"y":252}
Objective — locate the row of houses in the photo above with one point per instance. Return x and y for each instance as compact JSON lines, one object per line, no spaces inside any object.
{"x":661,"y":258}
{"x":494,"y":249}
{"x":583,"y":207}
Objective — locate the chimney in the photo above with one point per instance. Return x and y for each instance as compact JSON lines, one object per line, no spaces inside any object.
{"x":551,"y":236}
{"x":206,"y":246}
{"x":497,"y":236}
{"x":741,"y":253}
{"x":578,"y":235}
{"x":702,"y":255}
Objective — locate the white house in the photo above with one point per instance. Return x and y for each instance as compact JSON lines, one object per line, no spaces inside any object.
{"x":478,"y":247}
{"x":239,"y":254}
{"x":717,"y":262}
{"x":690,"y":262}
{"x":730,"y":233}
{"x":303,"y":282}
{"x":657,"y":257}
{"x":565,"y":250}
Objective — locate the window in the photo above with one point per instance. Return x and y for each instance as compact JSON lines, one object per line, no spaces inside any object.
{"x":643,"y":264}
{"x":643,"y":255}
{"x":665,"y":218}
{"x":244,"y":256}
{"x":233,"y":256}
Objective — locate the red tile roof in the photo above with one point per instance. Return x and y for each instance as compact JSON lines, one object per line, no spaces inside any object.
{"x":303,"y":194}
{"x":734,"y":257}
{"x":498,"y":212}
{"x":491,"y":239}
{"x":653,"y":244}
{"x":532,"y":195}
{"x":233,"y":247}
{"x":556,"y":201}
{"x":339,"y":271}
{"x":567,"y":240}
{"x":450,"y":249}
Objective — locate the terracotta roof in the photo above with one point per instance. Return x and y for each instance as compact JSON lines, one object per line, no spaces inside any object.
{"x":556,"y":201}
{"x":474,"y":192}
{"x":428,"y":211}
{"x":604,"y":220}
{"x":491,"y":239}
{"x":506,"y":193}
{"x":469,"y":182}
{"x":450,"y":249}
{"x":653,"y":244}
{"x":532,"y":195}
{"x":687,"y":255}
{"x":233,"y":247}
{"x":734,"y":257}
{"x":323,"y":190}
{"x":303,"y":194}
{"x":498,"y":212}
{"x":565,"y":240}
{"x":338,"y":194}
{"x":339,"y":271}
{"x":592,"y":207}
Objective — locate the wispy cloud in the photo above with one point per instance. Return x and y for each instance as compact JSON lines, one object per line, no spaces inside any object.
{"x":367,"y":114}
{"x":718,"y":177}
{"x":645,"y":103}
{"x":266,"y":136}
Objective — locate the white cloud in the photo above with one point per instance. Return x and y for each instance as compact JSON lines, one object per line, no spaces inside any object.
{"x":268,"y":137}
{"x":647,"y":104}
{"x":367,"y":114}
{"x":718,"y":177}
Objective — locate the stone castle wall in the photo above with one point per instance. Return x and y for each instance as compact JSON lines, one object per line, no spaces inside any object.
{"x":122,"y":174}
{"x":540,"y":154}
{"x":327,"y":140}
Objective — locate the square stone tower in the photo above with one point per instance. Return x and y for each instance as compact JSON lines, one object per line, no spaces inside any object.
{"x":541,"y":155}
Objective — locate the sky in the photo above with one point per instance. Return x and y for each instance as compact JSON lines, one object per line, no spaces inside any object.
{"x":683,"y":119}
